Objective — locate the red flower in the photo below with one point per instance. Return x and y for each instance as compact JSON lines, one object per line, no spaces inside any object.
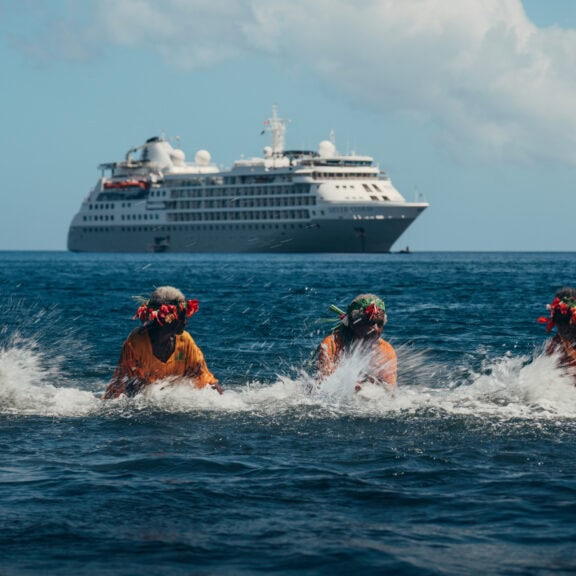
{"x":191,"y":307}
{"x":548,"y":321}
{"x":372,"y":311}
{"x":166,"y":314}
{"x":563,"y":307}
{"x":142,"y":313}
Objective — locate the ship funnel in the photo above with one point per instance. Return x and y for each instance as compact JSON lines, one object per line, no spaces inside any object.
{"x":158,"y":152}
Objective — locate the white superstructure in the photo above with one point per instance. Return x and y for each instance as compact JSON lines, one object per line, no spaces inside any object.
{"x":284,"y":201}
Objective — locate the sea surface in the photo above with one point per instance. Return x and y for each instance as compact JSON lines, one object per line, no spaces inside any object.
{"x":469,"y":468}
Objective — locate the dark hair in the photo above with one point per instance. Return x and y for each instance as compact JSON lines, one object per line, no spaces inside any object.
{"x":568,"y":296}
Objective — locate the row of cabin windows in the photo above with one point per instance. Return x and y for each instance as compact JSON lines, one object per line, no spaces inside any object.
{"x":100,"y":206}
{"x":242,"y":203}
{"x":98,"y":218}
{"x":343,"y":176}
{"x":248,"y":215}
{"x":208,"y":216}
{"x":228,"y":181}
{"x":111,"y":206}
{"x":234,"y":191}
{"x":110,"y":217}
{"x":140,"y":217}
{"x":203,"y":227}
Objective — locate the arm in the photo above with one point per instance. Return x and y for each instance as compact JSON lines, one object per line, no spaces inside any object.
{"x":326,"y":357}
{"x":388,"y":372}
{"x":384,"y":367}
{"x":128,"y":378}
{"x":198,"y":371}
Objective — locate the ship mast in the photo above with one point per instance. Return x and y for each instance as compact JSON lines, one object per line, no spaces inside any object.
{"x":277,"y":127}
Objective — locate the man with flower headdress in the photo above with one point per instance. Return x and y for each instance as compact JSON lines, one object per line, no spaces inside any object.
{"x":360,"y":327}
{"x":161,"y":349}
{"x":563,"y":318}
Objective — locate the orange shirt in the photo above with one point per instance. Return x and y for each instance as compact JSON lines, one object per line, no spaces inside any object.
{"x":383,"y":362}
{"x":139,"y":367}
{"x":565,"y":350}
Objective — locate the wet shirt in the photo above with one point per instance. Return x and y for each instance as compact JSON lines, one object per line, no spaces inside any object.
{"x":383,"y":361}
{"x":139,"y":367}
{"x":565,"y":350}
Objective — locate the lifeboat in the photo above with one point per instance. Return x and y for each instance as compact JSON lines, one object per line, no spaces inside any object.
{"x":126,"y":184}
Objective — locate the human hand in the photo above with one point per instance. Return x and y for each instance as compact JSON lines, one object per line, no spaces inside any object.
{"x":217,"y":387}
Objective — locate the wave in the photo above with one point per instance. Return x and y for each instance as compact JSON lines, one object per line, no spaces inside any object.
{"x":33,"y":382}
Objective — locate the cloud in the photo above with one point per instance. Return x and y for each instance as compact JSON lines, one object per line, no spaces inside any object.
{"x":488,"y":80}
{"x":188,"y":34}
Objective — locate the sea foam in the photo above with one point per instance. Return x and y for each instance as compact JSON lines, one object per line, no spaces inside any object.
{"x":33,"y":382}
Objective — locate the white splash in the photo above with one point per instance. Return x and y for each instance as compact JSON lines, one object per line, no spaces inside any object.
{"x":26,"y":388}
{"x":32,"y":383}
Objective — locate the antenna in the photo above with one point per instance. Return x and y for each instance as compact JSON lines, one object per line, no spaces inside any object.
{"x":277,"y":127}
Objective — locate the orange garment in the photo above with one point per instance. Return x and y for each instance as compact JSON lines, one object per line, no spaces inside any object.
{"x":565,"y":349}
{"x":138,"y":366}
{"x":383,"y":361}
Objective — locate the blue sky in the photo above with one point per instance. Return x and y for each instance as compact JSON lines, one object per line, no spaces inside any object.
{"x":470,"y":104}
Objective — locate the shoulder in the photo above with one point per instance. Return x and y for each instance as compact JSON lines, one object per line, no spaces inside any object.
{"x":185,"y":339}
{"x":328,"y":340}
{"x":331,"y":343}
{"x":137,"y":335}
{"x":386,"y":347}
{"x":136,"y":344}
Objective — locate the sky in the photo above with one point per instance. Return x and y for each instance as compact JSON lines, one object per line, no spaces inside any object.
{"x":468,"y":104}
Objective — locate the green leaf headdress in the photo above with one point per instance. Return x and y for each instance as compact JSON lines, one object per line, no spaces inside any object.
{"x":364,"y":306}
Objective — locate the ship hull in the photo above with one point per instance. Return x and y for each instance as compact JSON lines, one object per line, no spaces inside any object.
{"x":336,"y":236}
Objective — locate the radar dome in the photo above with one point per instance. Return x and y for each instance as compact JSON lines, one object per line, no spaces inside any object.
{"x":267,"y":151}
{"x":177,"y":156}
{"x":326,"y":149}
{"x":203,"y":157}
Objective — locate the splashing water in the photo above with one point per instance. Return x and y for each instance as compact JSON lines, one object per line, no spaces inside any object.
{"x":26,"y":388}
{"x":514,"y":387}
{"x":33,"y":382}
{"x":32,"y":379}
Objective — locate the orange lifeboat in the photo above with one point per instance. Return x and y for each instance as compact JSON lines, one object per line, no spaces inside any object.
{"x":126,"y":184}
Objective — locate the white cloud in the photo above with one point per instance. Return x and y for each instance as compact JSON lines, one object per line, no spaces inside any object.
{"x":187,"y":33}
{"x":487,"y":78}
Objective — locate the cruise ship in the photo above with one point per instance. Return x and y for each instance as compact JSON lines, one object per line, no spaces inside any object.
{"x":285,"y":201}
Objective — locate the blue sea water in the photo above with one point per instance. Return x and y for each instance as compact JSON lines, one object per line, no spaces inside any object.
{"x":468,"y":469}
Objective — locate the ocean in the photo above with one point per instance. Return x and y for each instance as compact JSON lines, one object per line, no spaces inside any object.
{"x":467,"y":469}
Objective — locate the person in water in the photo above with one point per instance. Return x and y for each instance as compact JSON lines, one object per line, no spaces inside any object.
{"x":360,"y":327}
{"x":161,"y":348}
{"x":563,"y":318}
